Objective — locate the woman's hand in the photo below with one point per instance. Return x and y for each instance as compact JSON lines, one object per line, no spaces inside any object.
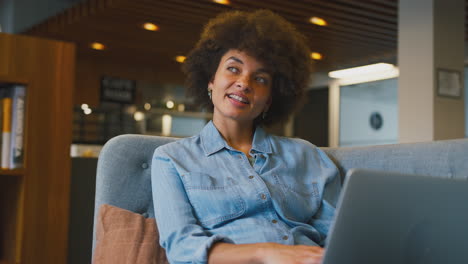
{"x":272,"y":253}
{"x":264,"y":253}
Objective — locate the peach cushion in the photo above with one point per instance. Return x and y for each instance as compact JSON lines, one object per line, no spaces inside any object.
{"x":126,"y":237}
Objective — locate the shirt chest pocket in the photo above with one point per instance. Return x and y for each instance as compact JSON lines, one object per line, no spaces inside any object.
{"x":215,"y":200}
{"x":300,"y":198}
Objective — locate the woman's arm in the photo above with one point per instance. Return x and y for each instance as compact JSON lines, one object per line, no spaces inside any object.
{"x":264,"y":253}
{"x":180,"y":234}
{"x":323,"y":219}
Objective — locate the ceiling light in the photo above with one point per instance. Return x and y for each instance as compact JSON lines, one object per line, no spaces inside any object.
{"x":180,"y":59}
{"x":316,"y":56}
{"x":147,"y":106}
{"x":170,"y":104}
{"x":361,"y":70}
{"x":150,"y":27}
{"x":318,"y":21}
{"x":139,"y":116}
{"x":181,"y":108}
{"x":97,"y":46}
{"x":87,"y":111}
{"x":368,"y":73}
{"x":223,"y":2}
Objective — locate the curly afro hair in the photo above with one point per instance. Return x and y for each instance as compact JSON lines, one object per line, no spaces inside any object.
{"x":265,"y":36}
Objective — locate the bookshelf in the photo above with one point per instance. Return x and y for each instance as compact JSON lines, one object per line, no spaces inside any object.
{"x":13,"y":172}
{"x":34,"y":199}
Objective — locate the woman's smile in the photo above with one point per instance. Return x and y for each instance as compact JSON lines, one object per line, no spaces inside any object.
{"x":238,"y":99}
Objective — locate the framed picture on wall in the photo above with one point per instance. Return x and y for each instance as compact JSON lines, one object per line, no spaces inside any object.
{"x":449,"y":83}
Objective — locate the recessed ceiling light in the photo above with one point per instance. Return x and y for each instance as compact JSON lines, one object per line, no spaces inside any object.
{"x":97,"y":46}
{"x":180,"y":59}
{"x":316,"y":56}
{"x":318,"y":21}
{"x":150,"y":27}
{"x":223,"y":2}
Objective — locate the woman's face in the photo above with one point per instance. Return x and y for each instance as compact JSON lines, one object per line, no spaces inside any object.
{"x":241,"y":87}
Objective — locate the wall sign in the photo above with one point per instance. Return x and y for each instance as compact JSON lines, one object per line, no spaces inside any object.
{"x":376,"y":121}
{"x":117,"y":90}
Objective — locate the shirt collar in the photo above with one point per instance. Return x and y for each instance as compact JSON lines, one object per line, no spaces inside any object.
{"x":261,"y":141}
{"x":212,"y":141}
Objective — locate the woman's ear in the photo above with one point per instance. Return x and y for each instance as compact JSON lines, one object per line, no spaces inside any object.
{"x":210,"y":84}
{"x":210,"y":89}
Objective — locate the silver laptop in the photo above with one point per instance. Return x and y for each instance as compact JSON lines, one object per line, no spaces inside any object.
{"x":386,"y":217}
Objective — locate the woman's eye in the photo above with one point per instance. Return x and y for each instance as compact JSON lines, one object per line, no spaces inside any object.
{"x":233,"y":69}
{"x":261,"y":80}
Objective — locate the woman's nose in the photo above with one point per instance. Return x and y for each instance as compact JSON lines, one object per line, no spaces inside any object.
{"x":243,"y":82}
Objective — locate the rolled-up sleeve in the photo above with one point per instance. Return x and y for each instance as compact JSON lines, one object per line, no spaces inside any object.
{"x":180,"y":234}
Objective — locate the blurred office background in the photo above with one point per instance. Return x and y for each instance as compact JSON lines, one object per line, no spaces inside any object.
{"x":116,"y":54}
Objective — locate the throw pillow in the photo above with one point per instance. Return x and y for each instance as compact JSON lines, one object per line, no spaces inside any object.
{"x":125,"y":237}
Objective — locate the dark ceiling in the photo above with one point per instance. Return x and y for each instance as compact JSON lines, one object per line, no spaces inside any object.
{"x":358,"y":32}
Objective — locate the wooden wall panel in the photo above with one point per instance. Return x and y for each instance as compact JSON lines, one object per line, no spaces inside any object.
{"x":6,"y":48}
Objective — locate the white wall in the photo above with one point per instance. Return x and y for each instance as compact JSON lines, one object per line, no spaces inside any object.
{"x":430,"y":37}
{"x":358,"y":102}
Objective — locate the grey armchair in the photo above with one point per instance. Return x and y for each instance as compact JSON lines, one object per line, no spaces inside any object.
{"x":123,"y":172}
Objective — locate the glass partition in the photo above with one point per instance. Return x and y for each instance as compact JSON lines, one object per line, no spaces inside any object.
{"x":369,"y":113}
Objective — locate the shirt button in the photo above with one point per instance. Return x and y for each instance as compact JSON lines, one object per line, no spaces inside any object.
{"x":263,"y":196}
{"x":285,"y":238}
{"x":274,"y":221}
{"x":251,"y":177}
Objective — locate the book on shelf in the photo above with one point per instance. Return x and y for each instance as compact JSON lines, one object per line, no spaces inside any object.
{"x":17,"y":126}
{"x":12,"y":116}
{"x":6,"y":132}
{"x":1,"y":126}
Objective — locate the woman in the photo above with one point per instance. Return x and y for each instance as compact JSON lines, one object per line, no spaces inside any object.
{"x":233,"y":193}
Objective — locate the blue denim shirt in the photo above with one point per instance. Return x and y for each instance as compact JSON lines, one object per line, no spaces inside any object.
{"x":204,"y":191}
